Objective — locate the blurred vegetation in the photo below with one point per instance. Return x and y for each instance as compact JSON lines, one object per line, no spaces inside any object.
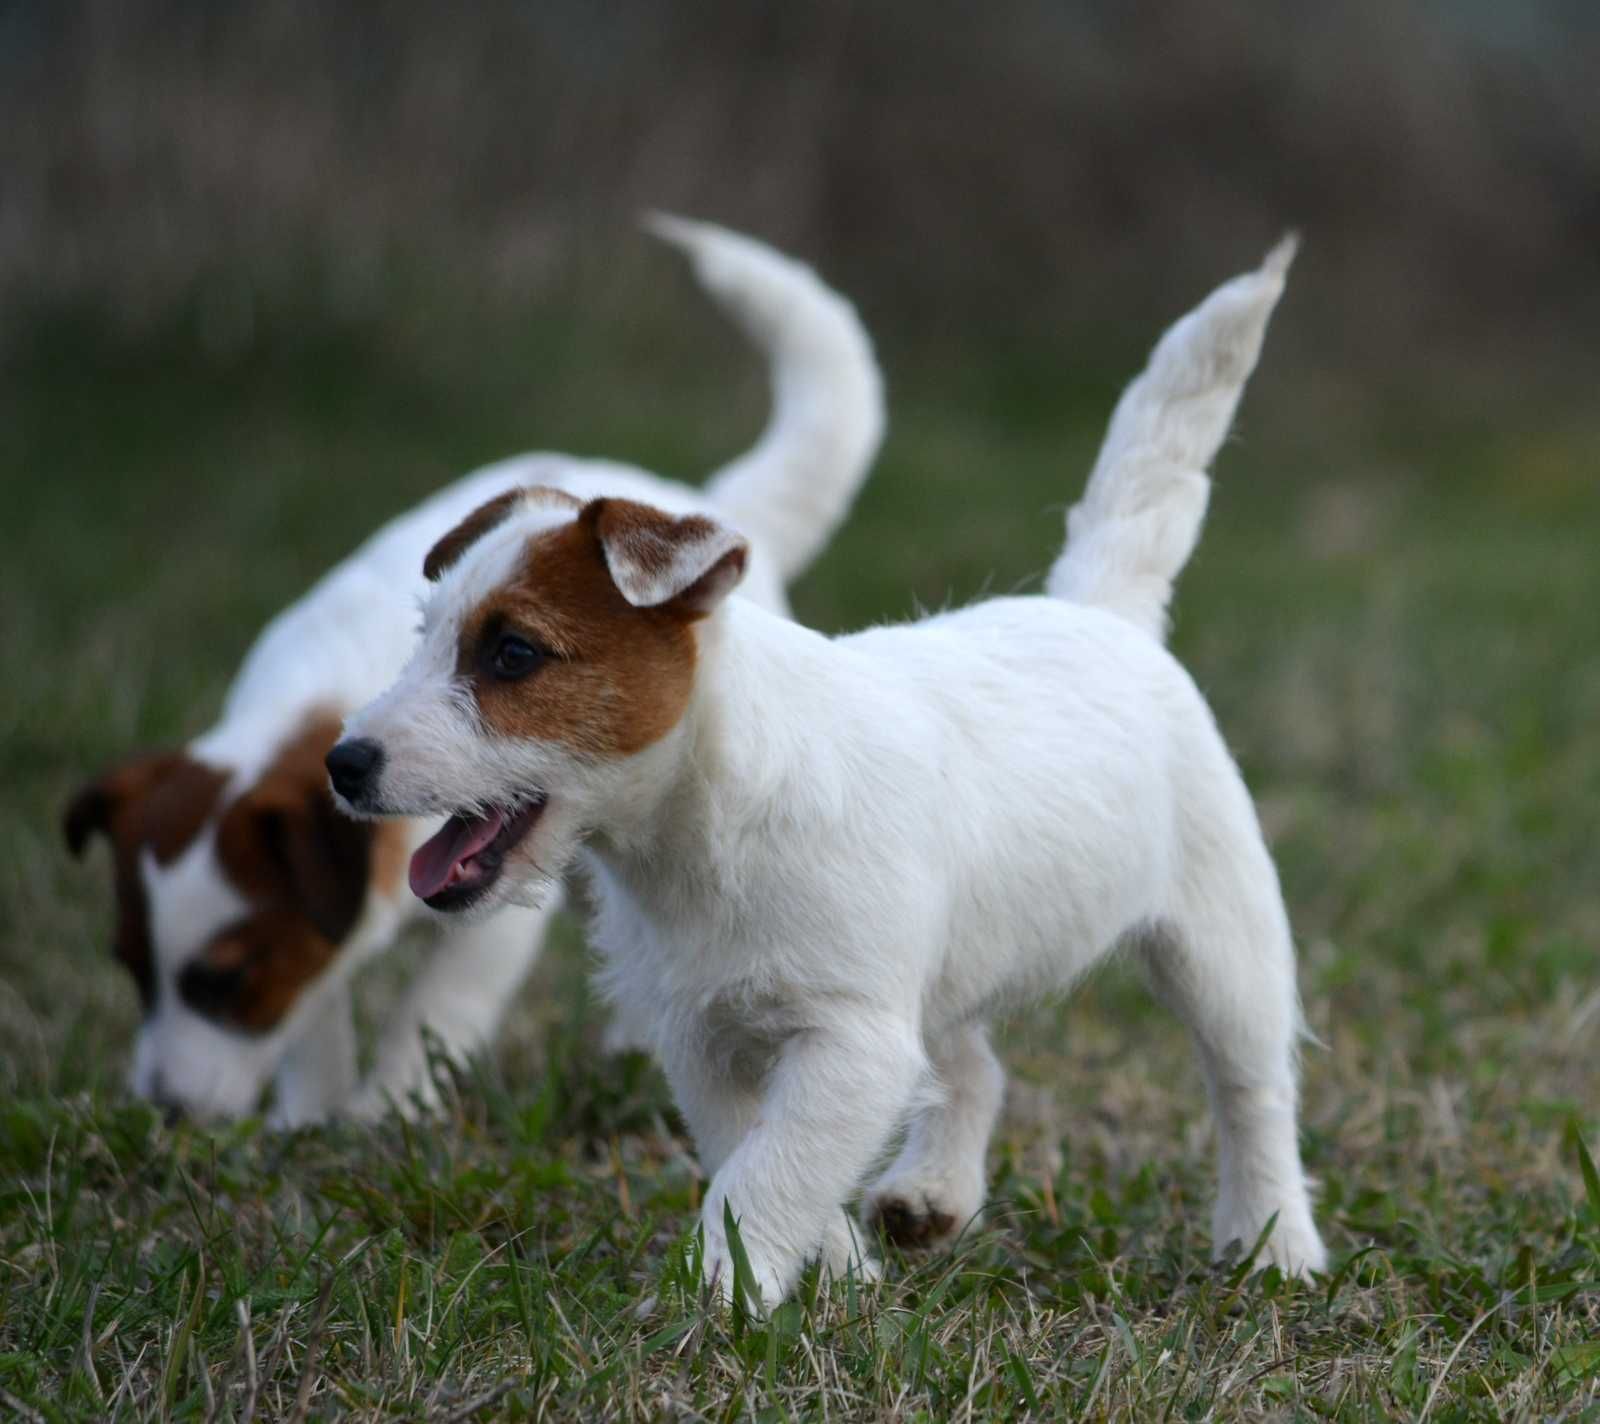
{"x":1016,"y":177}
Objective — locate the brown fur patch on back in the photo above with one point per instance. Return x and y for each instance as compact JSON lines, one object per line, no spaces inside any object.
{"x":156,"y":803}
{"x":485,"y":517}
{"x":618,"y":677}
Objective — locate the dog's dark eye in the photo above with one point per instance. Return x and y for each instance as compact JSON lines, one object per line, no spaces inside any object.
{"x":514,"y":657}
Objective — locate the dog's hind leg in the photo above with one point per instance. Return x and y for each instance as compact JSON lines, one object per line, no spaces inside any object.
{"x":936,"y":1185}
{"x":1226,"y":968}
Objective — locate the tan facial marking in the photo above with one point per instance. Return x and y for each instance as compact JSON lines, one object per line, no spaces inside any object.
{"x":620,"y":676}
{"x":486,"y":517}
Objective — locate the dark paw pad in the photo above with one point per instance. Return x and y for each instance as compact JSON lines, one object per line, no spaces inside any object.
{"x":908,"y":1225}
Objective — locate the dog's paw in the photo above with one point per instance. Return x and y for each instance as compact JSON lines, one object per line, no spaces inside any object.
{"x":844,"y":1253}
{"x":285,"y":1118}
{"x":1294,"y":1246}
{"x":624,"y":1034}
{"x":412,"y":1097}
{"x":771,"y":1286}
{"x":911,"y":1221}
{"x":913,"y":1210}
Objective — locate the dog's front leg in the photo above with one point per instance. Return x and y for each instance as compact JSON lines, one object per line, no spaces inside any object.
{"x":318,"y":1072}
{"x":832,"y":1099}
{"x":467,"y":982}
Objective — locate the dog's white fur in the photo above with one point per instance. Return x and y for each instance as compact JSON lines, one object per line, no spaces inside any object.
{"x":850,"y":852}
{"x":352,"y":633}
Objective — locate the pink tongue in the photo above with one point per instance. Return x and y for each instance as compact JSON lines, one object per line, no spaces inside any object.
{"x":438,"y":861}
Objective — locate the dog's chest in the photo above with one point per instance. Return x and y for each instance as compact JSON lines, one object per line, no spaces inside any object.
{"x":700,"y":972}
{"x":744,"y":1031}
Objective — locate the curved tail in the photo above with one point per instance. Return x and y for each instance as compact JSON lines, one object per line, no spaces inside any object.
{"x":1140,"y":516}
{"x":795,"y":486}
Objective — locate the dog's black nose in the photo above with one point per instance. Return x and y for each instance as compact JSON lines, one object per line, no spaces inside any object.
{"x":352,"y":765}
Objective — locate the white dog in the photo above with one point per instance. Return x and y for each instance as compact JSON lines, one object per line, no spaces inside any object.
{"x":821,"y":864}
{"x":246,"y":903}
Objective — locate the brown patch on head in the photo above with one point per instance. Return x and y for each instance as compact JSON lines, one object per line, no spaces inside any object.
{"x":305,"y":869}
{"x":485,"y":517}
{"x":616,"y":677}
{"x":157,"y":804}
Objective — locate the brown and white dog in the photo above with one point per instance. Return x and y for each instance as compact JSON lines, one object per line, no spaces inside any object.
{"x":245,"y":902}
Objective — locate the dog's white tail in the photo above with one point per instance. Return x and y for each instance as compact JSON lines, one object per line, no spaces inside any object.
{"x":1140,"y":516}
{"x":795,"y":486}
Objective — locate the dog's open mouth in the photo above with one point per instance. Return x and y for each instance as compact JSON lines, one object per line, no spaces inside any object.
{"x":464,"y":857}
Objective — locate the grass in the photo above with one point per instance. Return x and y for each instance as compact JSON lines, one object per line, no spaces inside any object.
{"x":1395,"y":622}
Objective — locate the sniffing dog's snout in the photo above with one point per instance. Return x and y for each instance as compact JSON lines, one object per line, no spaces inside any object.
{"x":352,"y":765}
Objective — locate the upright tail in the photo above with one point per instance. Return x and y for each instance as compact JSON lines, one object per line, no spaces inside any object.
{"x":795,"y":486}
{"x":1140,"y":516}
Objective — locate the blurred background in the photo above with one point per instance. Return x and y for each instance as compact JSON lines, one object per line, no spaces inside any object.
{"x":1008,"y":175}
{"x":269,"y":273}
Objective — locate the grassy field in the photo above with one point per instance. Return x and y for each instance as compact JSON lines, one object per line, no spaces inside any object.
{"x":1395,"y":618}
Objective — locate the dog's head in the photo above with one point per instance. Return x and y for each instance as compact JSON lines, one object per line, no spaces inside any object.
{"x":557,"y":660}
{"x":232,"y":902}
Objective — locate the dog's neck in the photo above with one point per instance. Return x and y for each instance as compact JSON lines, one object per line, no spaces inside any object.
{"x":744,"y":745}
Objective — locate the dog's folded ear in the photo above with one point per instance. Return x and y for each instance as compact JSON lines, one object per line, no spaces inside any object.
{"x":687,"y":564}
{"x":486,"y":517}
{"x":87,"y":814}
{"x":449,"y":549}
{"x":165,"y":795}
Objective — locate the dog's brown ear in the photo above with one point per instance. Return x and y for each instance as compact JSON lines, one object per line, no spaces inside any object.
{"x":88,"y":812}
{"x":688,"y":564}
{"x":467,"y":533}
{"x":96,"y":805}
{"x":485,"y":517}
